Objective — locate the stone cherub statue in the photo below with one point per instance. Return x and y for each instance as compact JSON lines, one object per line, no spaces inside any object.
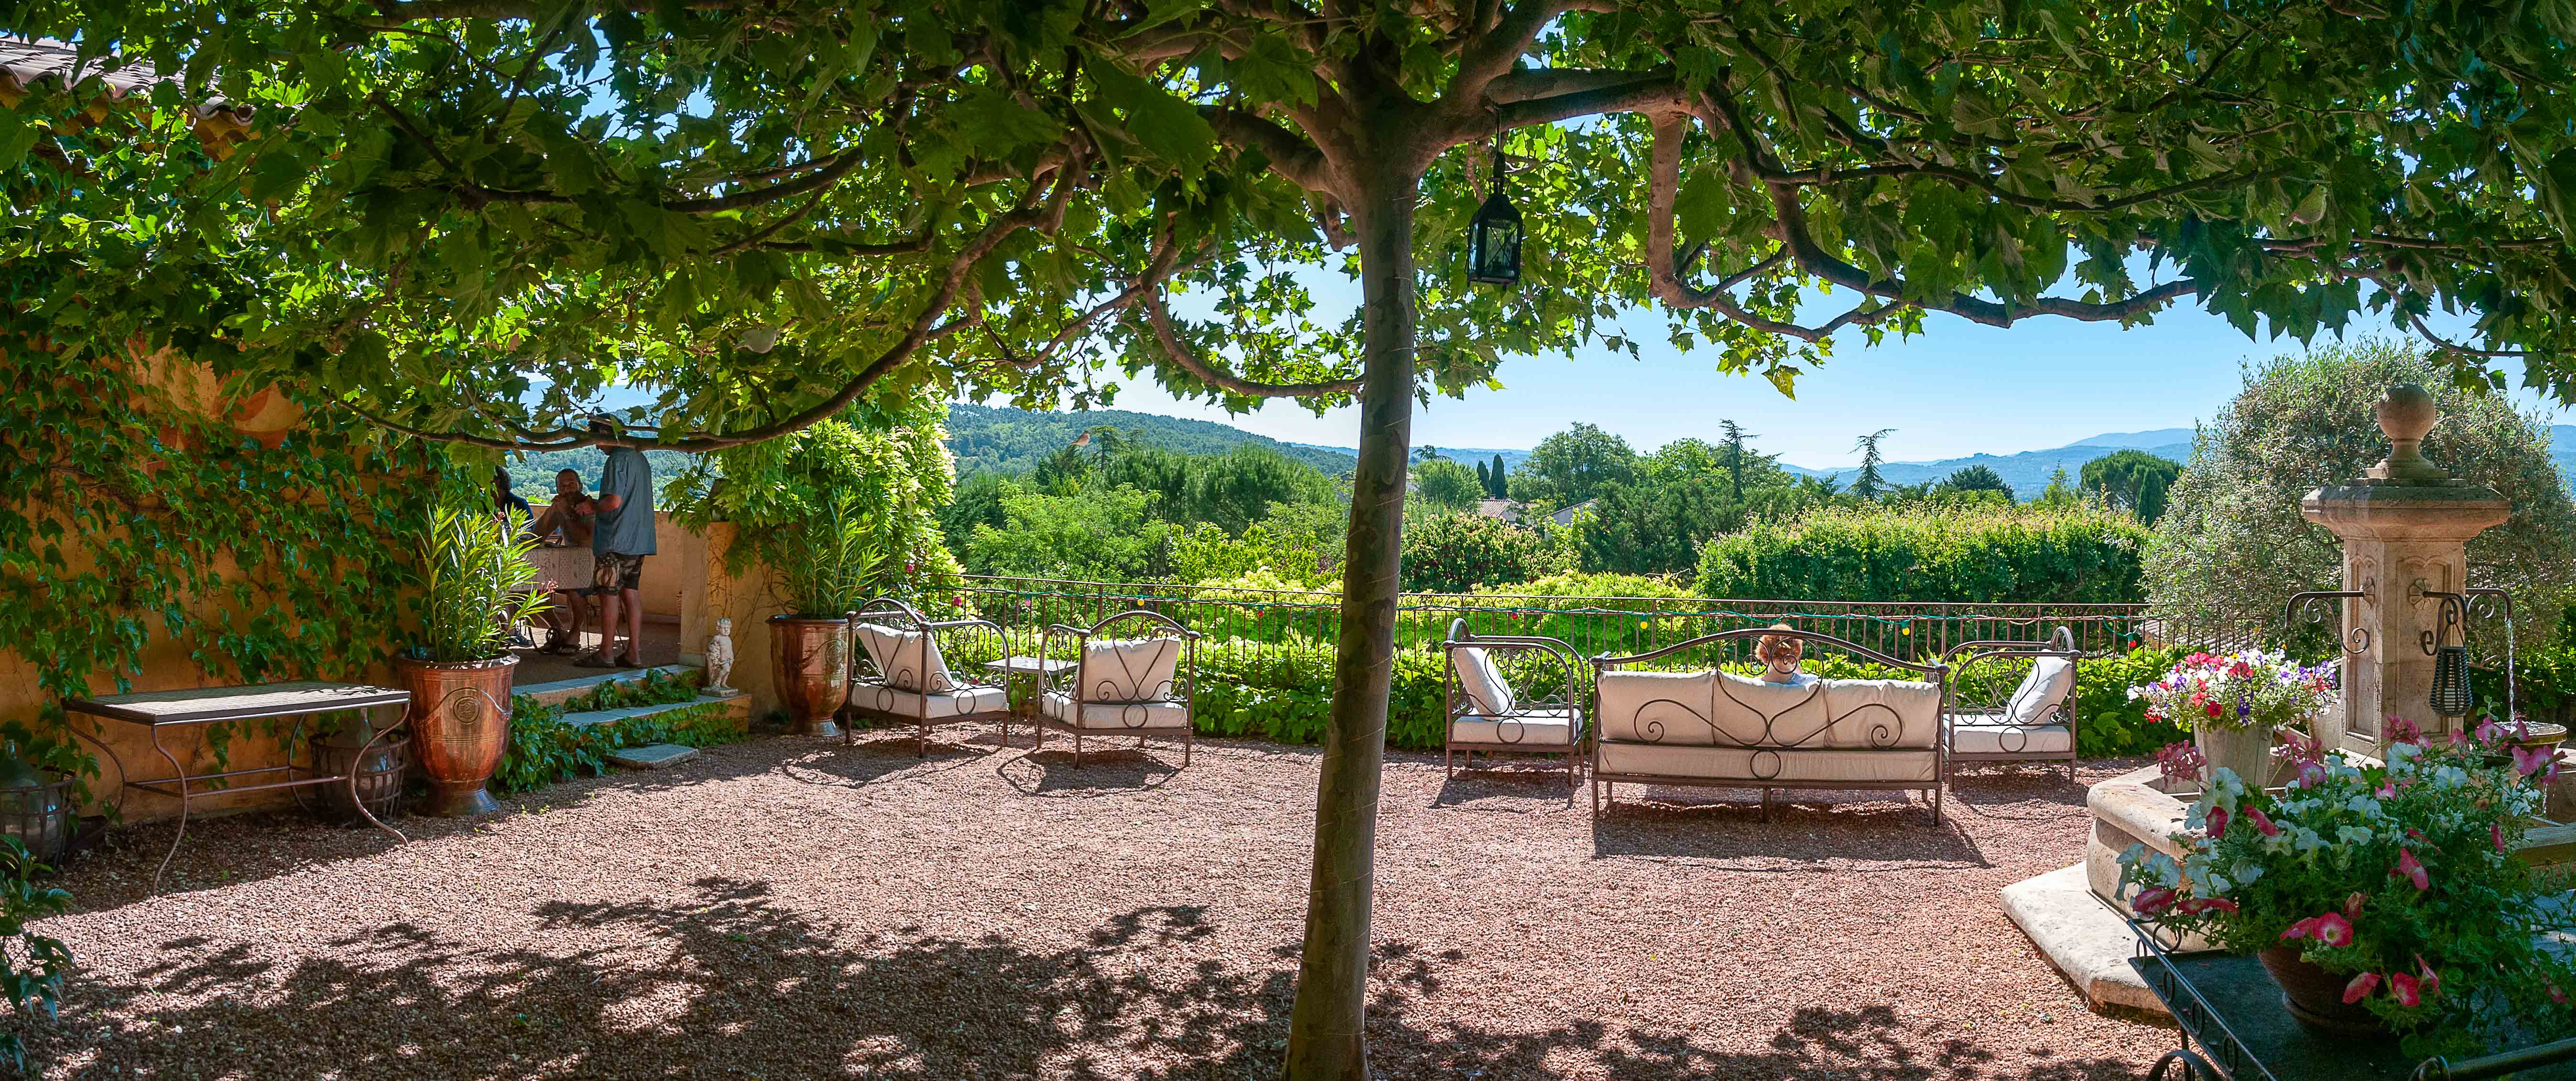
{"x":720,"y":658}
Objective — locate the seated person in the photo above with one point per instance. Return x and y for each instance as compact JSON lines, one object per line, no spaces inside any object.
{"x":1780,"y":651}
{"x":566,"y":525}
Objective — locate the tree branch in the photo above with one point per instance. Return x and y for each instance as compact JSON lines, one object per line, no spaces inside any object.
{"x":1188,"y":360}
{"x":1289,"y":153}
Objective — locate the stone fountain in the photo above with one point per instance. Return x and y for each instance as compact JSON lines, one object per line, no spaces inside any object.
{"x":2405,"y":527}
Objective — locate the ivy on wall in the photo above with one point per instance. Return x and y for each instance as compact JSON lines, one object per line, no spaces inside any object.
{"x":127,"y":517}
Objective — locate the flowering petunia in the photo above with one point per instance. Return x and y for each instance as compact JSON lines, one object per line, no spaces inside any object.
{"x":2432,"y":984}
{"x":2360,"y":986}
{"x":2531,"y":760}
{"x":2412,"y":869}
{"x":2403,"y":987}
{"x":2334,"y":930}
{"x":2496,"y":830}
{"x":2262,"y":822}
{"x":2217,"y":822}
{"x":2197,"y":905}
{"x":2352,"y":904}
{"x":2153,"y":900}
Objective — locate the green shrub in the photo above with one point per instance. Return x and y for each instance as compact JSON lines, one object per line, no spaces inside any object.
{"x":2108,"y":724}
{"x":2070,"y":555}
{"x":1458,"y":553}
{"x":544,"y":749}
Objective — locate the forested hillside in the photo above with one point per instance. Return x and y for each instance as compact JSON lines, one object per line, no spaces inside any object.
{"x":1000,"y":440}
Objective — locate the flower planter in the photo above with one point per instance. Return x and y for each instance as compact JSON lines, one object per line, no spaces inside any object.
{"x":460,"y":723}
{"x":2315,"y":996}
{"x":2247,"y":750}
{"x":813,"y":658}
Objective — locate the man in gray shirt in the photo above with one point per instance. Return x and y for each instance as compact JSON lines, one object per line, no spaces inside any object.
{"x":622,"y":535}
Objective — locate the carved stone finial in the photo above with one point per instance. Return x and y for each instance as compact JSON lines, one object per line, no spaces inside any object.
{"x":2406,"y":415}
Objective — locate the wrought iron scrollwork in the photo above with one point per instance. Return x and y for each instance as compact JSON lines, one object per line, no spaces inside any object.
{"x":2312,"y":606}
{"x":2450,"y":624}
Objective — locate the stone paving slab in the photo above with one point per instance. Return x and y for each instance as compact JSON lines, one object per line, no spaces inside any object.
{"x":656,"y":756}
{"x":2083,"y":937}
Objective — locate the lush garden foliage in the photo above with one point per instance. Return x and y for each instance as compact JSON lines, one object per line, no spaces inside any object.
{"x":2032,"y":554}
{"x":544,"y":749}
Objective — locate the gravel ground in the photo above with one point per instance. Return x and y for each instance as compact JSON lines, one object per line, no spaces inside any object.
{"x":788,"y":908}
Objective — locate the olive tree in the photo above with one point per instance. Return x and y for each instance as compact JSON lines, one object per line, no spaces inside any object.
{"x":2232,"y":546}
{"x":768,"y":210}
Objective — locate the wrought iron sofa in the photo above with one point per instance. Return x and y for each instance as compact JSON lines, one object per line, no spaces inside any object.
{"x":1708,"y":727}
{"x":1485,"y":713}
{"x":2036,"y":723}
{"x":1124,"y":687}
{"x":900,"y":675}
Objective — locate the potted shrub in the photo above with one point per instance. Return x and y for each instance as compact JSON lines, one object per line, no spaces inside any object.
{"x":476,"y":580}
{"x":824,"y":566}
{"x":2233,"y":704}
{"x":2380,"y":897}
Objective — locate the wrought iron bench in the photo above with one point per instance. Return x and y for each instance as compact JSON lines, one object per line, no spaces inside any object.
{"x":900,"y":674}
{"x":1713,"y":728}
{"x":1485,"y":713}
{"x":2036,"y":723}
{"x":1124,"y":687}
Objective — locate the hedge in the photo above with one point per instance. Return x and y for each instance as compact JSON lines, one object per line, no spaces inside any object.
{"x":2017,"y":555}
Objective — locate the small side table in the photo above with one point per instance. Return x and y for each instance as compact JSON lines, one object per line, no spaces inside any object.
{"x":156,"y":710}
{"x":1036,"y":672}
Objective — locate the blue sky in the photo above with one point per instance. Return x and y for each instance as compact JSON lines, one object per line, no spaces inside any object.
{"x":1955,"y":390}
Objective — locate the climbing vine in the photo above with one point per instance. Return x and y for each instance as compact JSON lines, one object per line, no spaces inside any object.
{"x":131,"y":523}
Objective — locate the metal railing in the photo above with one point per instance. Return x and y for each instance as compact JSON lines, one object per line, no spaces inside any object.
{"x":1593,"y":625}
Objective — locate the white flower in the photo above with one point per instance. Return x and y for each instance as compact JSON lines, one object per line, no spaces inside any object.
{"x":2246,"y":872}
{"x":2354,"y":835}
{"x":2364,"y":806}
{"x":2448,"y":777}
{"x":2305,"y":839}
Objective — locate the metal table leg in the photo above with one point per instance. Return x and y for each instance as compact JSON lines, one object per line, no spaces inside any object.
{"x":357,"y":765}
{"x":180,"y":774}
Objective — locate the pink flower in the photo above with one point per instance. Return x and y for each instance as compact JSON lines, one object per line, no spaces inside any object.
{"x":2329,"y":929}
{"x":2197,"y":905}
{"x":2217,"y":822}
{"x":2262,"y":822}
{"x":2555,"y":995}
{"x":2432,"y":983}
{"x":2489,"y":731}
{"x":2530,"y":761}
{"x":2154,"y":901}
{"x":2412,"y":869}
{"x":2403,"y":987}
{"x":2334,"y":930}
{"x":2352,"y":904}
{"x":2360,"y":987}
{"x":2497,"y":831}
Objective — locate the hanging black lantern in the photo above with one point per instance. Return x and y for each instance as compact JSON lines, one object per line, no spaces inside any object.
{"x":1494,"y":235}
{"x":2451,"y":681}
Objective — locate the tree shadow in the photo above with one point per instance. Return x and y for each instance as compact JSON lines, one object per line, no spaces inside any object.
{"x":1103,"y":772}
{"x":1858,"y":831}
{"x":1993,"y":789}
{"x":731,"y":983}
{"x":1509,"y":789}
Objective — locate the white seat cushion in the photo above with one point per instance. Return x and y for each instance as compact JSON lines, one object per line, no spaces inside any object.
{"x":2050,"y":680}
{"x":1881,"y":713}
{"x":906,"y":660}
{"x":1116,"y":716}
{"x":1669,"y":708}
{"x":1754,"y":767}
{"x":953,"y":703}
{"x":1480,"y":683}
{"x":1753,"y":713}
{"x":1539,"y":727}
{"x":1117,"y":670}
{"x":1993,"y":733}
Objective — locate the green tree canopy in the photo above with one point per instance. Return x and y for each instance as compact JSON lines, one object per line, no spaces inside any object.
{"x":1571,"y":466}
{"x":1975,"y":478}
{"x":2233,"y":545}
{"x":2133,"y":480}
{"x":1446,"y":485}
{"x":766,"y":211}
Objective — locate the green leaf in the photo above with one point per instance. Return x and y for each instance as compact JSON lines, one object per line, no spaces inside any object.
{"x":1167,"y":126}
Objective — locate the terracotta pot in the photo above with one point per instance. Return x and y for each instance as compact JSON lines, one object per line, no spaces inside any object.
{"x":460,"y":723}
{"x":2247,"y":751}
{"x":813,"y":664}
{"x":2315,"y":996}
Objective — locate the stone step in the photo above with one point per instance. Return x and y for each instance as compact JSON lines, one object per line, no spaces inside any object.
{"x":2082,"y":936}
{"x":738,"y":704}
{"x":561,"y":691}
{"x":657,"y":756}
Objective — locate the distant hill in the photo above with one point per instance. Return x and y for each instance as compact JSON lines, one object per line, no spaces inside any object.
{"x":2161,"y":437}
{"x":2027,"y":472}
{"x":1003,"y":440}
{"x":1512,"y":459}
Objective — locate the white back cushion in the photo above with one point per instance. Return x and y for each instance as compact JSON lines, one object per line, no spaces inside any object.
{"x":1481,"y":684}
{"x":1752,"y":712}
{"x":1657,"y":707}
{"x":1877,"y":713}
{"x":909,"y":660}
{"x":1139,"y":670}
{"x":2050,"y":680}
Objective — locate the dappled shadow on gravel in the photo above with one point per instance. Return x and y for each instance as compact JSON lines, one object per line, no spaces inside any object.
{"x":735,"y":984}
{"x":1104,"y":771}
